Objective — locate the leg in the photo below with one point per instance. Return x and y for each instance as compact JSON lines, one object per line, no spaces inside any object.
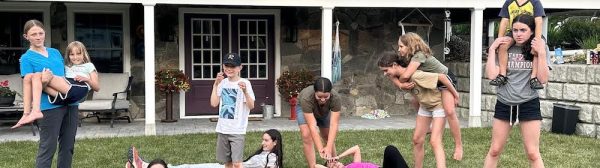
{"x":450,"y":111}
{"x":66,"y":138}
{"x":500,"y":130}
{"x":27,"y":96}
{"x":49,"y":133}
{"x":533,"y":81}
{"x":307,"y":143}
{"x":228,"y":165}
{"x":437,"y":133}
{"x":55,"y":84}
{"x":36,"y":96}
{"x":503,"y":63}
{"x":237,"y":149}
{"x":530,"y":131}
{"x":422,"y":125}
{"x":393,"y":158}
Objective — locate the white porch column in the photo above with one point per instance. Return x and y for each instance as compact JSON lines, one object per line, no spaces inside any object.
{"x":491,"y":32}
{"x":149,"y":68}
{"x":475,"y":67}
{"x":326,"y":41}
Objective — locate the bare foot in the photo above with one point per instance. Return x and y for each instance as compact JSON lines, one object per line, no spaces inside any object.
{"x":34,"y":115}
{"x":458,"y":153}
{"x":23,"y":118}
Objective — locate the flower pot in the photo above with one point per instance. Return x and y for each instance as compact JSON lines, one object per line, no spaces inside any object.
{"x":7,"y":100}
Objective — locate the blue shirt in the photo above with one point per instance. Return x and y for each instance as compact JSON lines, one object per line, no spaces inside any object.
{"x":32,"y":62}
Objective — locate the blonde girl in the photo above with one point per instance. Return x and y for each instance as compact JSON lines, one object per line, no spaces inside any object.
{"x":417,"y":54}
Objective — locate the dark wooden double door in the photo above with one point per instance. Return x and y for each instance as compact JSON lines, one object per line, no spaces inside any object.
{"x":209,"y":36}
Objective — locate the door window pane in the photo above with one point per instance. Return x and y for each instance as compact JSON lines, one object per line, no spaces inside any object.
{"x":208,"y":41}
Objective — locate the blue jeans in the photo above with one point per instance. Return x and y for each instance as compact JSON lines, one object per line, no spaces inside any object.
{"x":322,"y":122}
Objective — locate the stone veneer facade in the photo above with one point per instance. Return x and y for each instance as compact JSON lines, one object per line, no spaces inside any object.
{"x":569,"y":84}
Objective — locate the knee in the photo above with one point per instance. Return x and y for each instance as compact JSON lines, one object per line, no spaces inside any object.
{"x":417,"y":141}
{"x":451,"y":114}
{"x":237,"y":165}
{"x":533,"y":156}
{"x":28,"y":77}
{"x":306,"y":138}
{"x":435,"y":142}
{"x":494,"y":152}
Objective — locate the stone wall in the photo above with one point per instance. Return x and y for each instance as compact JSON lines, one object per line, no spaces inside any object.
{"x":568,"y":84}
{"x":364,"y":35}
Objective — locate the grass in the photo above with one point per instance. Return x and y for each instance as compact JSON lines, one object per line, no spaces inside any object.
{"x":557,"y":150}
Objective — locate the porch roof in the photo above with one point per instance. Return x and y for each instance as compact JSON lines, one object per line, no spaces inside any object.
{"x":548,"y":4}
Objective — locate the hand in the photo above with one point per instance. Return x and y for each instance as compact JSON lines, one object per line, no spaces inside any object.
{"x":242,"y":86}
{"x":456,"y":99}
{"x":323,"y":154}
{"x":537,"y":45}
{"x":499,"y":41}
{"x":220,"y":77}
{"x":333,"y":159}
{"x":81,"y":79}
{"x":47,"y":74}
{"x":407,"y":86}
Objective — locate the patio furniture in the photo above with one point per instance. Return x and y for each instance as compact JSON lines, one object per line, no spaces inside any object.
{"x":11,"y":114}
{"x":111,"y":100}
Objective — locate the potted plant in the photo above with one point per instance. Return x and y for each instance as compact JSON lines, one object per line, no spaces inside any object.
{"x":290,"y":83}
{"x":170,"y":81}
{"x":7,"y":95}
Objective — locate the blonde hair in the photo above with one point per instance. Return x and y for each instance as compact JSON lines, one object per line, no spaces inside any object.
{"x":81,"y":47}
{"x":32,"y":23}
{"x":415,"y":44}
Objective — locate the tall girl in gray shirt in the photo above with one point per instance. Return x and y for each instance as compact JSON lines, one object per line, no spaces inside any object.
{"x":517,"y":101}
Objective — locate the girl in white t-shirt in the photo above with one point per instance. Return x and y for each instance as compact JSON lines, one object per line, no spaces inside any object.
{"x":80,"y":77}
{"x":268,"y":155}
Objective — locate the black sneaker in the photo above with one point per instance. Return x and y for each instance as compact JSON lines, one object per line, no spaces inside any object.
{"x":499,"y":81}
{"x":535,"y":83}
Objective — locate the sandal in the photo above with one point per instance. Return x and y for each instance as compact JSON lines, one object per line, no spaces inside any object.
{"x":499,"y":81}
{"x":535,"y":83}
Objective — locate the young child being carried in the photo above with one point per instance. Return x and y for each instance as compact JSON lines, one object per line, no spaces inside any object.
{"x":80,"y":77}
{"x":510,"y":10}
{"x":430,"y":106}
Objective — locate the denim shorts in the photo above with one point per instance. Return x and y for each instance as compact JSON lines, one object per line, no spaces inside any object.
{"x":322,"y":122}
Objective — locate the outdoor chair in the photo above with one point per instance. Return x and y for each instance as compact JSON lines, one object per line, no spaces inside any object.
{"x":111,"y":100}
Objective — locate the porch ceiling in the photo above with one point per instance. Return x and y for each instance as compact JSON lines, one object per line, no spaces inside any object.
{"x":548,"y":4}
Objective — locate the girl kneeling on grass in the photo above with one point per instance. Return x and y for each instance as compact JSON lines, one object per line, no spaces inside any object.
{"x":269,"y":155}
{"x":430,"y":106}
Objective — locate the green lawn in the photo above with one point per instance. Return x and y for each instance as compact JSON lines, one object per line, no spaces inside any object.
{"x":557,"y":150}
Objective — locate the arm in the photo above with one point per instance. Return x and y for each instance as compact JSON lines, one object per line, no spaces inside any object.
{"x":538,"y":26}
{"x":214,"y":98}
{"x":502,"y":27}
{"x":312,"y":125}
{"x":491,"y":69}
{"x":412,"y":67}
{"x":354,"y":151}
{"x":333,"y":129}
{"x":93,"y":81}
{"x":402,"y":85}
{"x":539,"y":45}
{"x":248,"y":94}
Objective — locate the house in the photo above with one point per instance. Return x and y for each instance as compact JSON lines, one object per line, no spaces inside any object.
{"x":271,"y":35}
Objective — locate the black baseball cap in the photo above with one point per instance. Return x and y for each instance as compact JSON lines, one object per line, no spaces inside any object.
{"x":232,"y":59}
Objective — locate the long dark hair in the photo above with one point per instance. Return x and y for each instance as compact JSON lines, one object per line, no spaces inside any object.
{"x":277,"y":149}
{"x":322,"y":85}
{"x":157,"y":162}
{"x":530,"y":22}
{"x":388,"y":59}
